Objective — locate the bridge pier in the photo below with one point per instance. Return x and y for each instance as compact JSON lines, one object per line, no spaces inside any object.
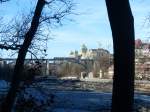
{"x":2,"y":63}
{"x":100,"y":74}
{"x":47,"y":67}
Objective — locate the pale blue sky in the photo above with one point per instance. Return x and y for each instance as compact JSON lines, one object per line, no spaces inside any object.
{"x":93,"y":27}
{"x":90,"y":28}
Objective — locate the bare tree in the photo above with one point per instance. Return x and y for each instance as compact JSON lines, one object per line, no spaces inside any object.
{"x":65,"y":69}
{"x":76,"y":69}
{"x":104,"y":63}
{"x":12,"y":36}
{"x":70,"y":69}
{"x":122,"y":26}
{"x":101,"y":63}
{"x":39,"y":19}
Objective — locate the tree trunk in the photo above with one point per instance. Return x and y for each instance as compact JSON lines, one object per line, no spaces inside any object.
{"x":122,"y":26}
{"x":10,"y":98}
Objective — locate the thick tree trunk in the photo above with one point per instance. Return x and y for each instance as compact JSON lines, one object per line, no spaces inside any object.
{"x":122,"y":25}
{"x":10,"y":98}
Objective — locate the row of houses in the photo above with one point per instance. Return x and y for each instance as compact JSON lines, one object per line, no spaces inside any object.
{"x":142,"y":60}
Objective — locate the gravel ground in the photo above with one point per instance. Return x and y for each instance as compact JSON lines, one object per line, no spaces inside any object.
{"x":91,"y":92}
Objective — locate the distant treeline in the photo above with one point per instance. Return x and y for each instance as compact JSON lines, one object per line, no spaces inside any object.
{"x":6,"y":72}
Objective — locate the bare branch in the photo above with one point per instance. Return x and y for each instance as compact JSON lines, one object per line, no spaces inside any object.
{"x":49,"y":1}
{"x":13,"y":32}
{"x":33,"y":54}
{"x":10,"y":47}
{"x":4,"y":0}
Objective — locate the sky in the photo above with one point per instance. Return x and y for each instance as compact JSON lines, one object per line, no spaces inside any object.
{"x":91,"y":27}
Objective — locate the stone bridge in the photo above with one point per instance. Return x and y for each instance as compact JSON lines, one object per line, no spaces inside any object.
{"x":55,"y":61}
